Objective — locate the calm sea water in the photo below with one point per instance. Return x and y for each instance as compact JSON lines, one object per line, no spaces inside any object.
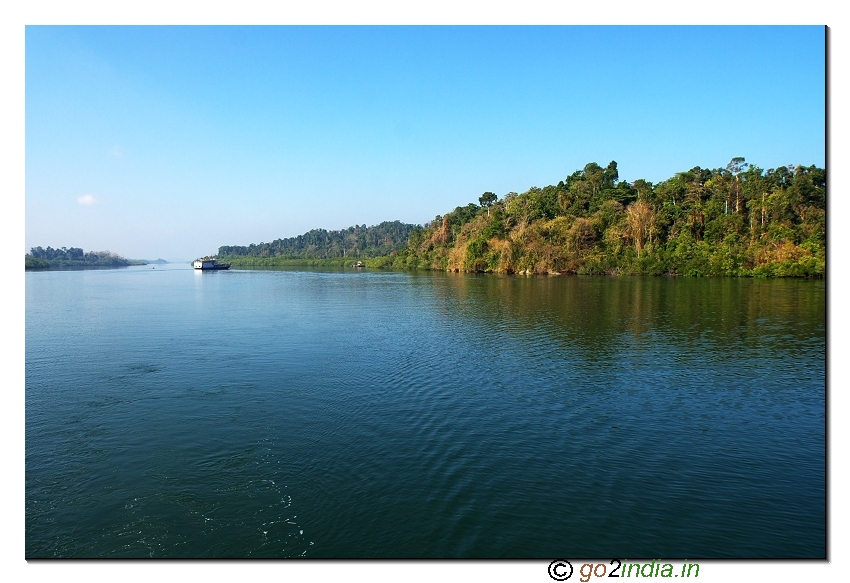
{"x":173,"y":413}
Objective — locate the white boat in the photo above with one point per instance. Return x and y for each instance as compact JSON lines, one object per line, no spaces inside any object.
{"x":209,"y":263}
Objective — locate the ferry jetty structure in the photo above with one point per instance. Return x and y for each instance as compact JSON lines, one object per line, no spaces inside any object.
{"x":209,"y":264}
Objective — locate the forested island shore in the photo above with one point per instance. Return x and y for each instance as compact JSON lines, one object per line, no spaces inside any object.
{"x":75,"y":257}
{"x":735,"y":221}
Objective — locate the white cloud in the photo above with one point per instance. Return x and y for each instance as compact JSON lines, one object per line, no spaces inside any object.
{"x":87,"y":199}
{"x":116,"y":152}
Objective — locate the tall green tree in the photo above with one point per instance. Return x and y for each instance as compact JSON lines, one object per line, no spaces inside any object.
{"x":486,"y":200}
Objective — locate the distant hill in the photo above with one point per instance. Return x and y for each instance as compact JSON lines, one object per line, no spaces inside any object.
{"x":39,"y":258}
{"x":357,"y":241}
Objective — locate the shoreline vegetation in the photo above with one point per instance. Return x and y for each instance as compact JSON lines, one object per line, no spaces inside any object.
{"x":737,"y":221}
{"x":76,"y":258}
{"x":274,"y":262}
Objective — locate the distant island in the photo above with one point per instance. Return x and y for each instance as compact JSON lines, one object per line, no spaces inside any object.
{"x":735,"y":221}
{"x":321,"y":247}
{"x":74,"y":257}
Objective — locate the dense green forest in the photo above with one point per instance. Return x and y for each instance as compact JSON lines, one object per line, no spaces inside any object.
{"x":734,"y":221}
{"x":356,"y":242}
{"x":39,"y":258}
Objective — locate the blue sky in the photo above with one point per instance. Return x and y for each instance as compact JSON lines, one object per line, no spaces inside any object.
{"x":171,"y":141}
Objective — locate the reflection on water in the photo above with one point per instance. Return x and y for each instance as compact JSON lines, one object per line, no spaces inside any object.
{"x":373,"y":414}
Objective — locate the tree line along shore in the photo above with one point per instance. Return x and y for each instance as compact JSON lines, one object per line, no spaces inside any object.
{"x":735,"y":221}
{"x":64,"y":257}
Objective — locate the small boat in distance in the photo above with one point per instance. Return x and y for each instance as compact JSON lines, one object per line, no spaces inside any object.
{"x":358,"y":264}
{"x":210,"y":264}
